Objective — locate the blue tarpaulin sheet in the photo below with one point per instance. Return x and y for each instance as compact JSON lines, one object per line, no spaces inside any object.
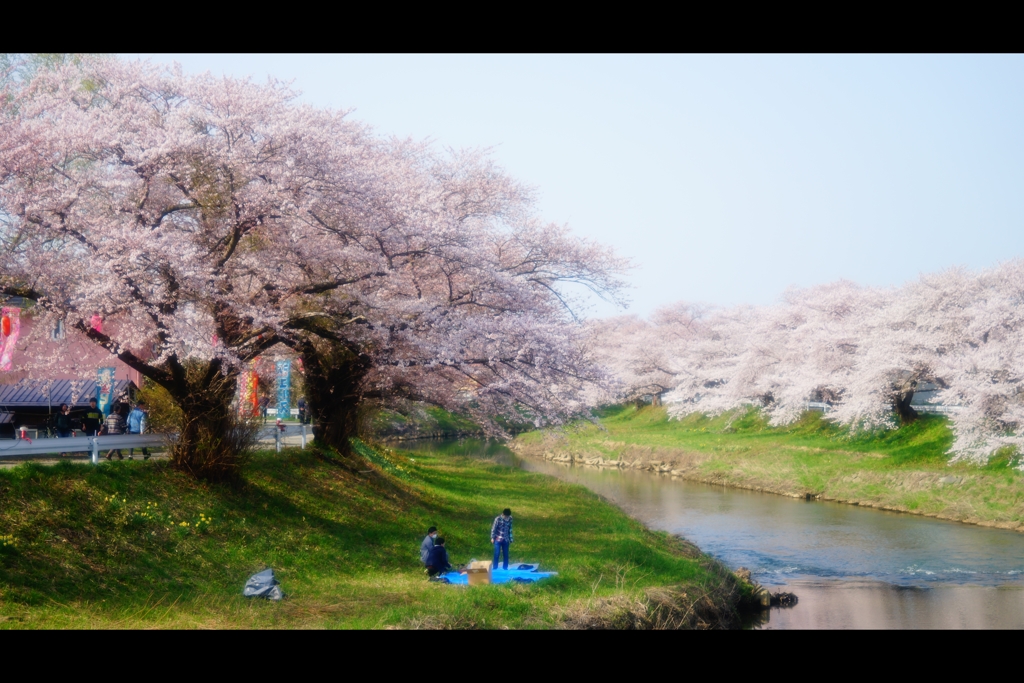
{"x":503,"y":575}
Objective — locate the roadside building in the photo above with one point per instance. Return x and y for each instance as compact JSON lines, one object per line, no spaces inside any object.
{"x":32,"y":403}
{"x":36,"y":384}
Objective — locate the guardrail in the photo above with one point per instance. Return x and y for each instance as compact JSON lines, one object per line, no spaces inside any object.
{"x":94,"y":444}
{"x":921,"y":408}
{"x":936,"y":409}
{"x":79,"y":444}
{"x":279,"y":433}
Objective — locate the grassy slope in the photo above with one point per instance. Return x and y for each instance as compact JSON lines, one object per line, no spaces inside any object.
{"x":126,"y":545}
{"x":898,"y":470}
{"x":420,"y":420}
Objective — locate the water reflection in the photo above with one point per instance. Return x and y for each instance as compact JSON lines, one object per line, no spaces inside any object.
{"x":851,"y":567}
{"x":874,"y":605}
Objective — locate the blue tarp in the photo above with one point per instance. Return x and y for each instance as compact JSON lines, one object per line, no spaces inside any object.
{"x":503,"y":575}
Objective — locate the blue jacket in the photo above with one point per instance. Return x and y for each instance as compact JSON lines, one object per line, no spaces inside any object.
{"x":136,"y":421}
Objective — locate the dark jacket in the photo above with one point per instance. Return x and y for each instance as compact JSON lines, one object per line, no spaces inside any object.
{"x":92,"y":421}
{"x":438,"y":558}
{"x":62,"y":422}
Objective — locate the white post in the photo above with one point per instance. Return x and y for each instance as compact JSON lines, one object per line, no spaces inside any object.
{"x":277,"y":438}
{"x":303,"y":435}
{"x":95,"y":452}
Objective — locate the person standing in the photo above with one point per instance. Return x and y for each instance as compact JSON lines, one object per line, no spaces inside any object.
{"x":136,"y":424}
{"x":93,"y":420}
{"x":62,"y":423}
{"x":301,"y":405}
{"x":114,"y":424}
{"x":264,"y":405}
{"x":501,"y":536}
{"x":427,"y":545}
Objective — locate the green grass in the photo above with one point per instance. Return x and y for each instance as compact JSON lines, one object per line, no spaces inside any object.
{"x":899,"y":469}
{"x":137,"y":544}
{"x":421,"y":420}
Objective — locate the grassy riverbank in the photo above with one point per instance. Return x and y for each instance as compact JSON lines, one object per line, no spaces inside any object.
{"x":412,"y":420}
{"x":136,"y":544}
{"x":906,"y":469}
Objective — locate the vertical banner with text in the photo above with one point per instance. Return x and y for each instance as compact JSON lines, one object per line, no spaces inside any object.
{"x":9,"y":330}
{"x":284,"y":388}
{"x":248,"y":393}
{"x":104,"y":389}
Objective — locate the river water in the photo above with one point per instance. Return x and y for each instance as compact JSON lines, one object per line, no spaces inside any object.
{"x":850,"y":567}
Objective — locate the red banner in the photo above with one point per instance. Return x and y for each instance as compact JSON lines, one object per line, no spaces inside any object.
{"x":10,"y":327}
{"x":248,"y":394}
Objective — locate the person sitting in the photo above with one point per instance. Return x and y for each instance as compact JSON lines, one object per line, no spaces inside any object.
{"x":427,"y":545}
{"x":438,"y":562}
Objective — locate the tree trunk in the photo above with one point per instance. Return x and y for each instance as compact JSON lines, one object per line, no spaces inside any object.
{"x":213,"y":441}
{"x":901,"y":404}
{"x":334,"y":391}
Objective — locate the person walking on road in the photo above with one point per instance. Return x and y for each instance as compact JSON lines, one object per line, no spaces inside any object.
{"x":136,"y":424}
{"x":501,"y":536}
{"x":62,"y":423}
{"x":93,"y":420}
{"x":114,"y":424}
{"x":427,"y":545}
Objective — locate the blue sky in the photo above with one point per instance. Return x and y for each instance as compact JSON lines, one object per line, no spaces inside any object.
{"x":725,"y":178}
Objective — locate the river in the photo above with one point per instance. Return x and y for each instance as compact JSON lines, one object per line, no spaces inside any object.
{"x":850,"y":567}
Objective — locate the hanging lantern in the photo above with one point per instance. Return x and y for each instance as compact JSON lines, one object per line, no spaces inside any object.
{"x":5,"y":325}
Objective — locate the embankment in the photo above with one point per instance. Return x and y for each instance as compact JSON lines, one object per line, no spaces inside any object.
{"x":905,"y":470}
{"x":139,"y":545}
{"x":414,"y":420}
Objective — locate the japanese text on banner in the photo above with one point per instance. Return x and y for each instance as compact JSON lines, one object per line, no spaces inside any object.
{"x":284,"y":386}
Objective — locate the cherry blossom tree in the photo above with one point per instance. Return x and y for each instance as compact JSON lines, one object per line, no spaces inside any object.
{"x":979,"y":329}
{"x":479,"y":324}
{"x":207,"y":220}
{"x":864,"y":352}
{"x":645,"y":358}
{"x":146,"y":197}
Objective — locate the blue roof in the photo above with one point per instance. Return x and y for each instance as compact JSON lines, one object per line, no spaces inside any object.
{"x":33,"y":392}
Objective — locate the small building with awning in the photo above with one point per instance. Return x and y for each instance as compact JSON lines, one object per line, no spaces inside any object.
{"x":44,"y":366}
{"x":32,"y":402}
